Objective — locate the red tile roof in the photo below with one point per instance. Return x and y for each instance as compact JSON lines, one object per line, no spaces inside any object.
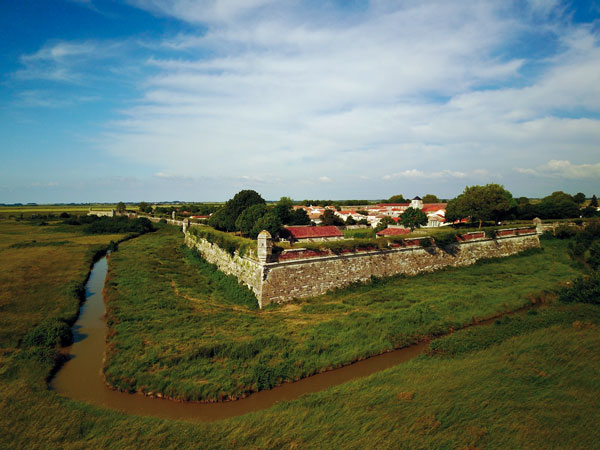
{"x":393,"y":232}
{"x":392,"y":204}
{"x":433,"y":206}
{"x":314,"y":232}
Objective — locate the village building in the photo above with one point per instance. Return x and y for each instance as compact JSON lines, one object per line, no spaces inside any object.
{"x":393,"y":231}
{"x":312,"y":234}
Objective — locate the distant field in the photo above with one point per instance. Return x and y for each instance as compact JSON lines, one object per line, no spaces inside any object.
{"x":529,"y":382}
{"x":26,"y":212}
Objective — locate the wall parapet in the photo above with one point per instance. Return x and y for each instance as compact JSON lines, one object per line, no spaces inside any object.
{"x":316,"y":273}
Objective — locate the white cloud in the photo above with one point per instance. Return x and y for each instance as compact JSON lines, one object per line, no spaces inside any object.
{"x":564,"y":169}
{"x":414,"y":173}
{"x":414,"y":91}
{"x":202,"y":10}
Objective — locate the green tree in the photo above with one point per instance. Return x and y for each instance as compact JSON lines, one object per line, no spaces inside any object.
{"x":241,"y":201}
{"x":224,"y":219}
{"x":120,"y":207}
{"x":579,"y":198}
{"x":249,"y":217}
{"x":413,"y":218}
{"x":284,"y":208}
{"x":558,"y":205}
{"x":430,"y":198}
{"x":221,"y":220}
{"x":594,"y":201}
{"x":397,"y":199}
{"x":299,"y":217}
{"x":589,"y":211}
{"x":350,"y":221}
{"x":489,"y":202}
{"x":383,"y":223}
{"x":270,"y":222}
{"x":145,"y":207}
{"x":329,"y":218}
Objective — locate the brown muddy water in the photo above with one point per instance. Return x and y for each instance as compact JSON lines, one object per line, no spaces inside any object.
{"x":81,"y":377}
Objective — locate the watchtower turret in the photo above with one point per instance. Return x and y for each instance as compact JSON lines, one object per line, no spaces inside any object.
{"x":264,"y":246}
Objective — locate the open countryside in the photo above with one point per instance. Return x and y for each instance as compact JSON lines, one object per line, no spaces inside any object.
{"x":298,"y":225}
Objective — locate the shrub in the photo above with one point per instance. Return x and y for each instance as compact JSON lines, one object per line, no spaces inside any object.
{"x":445,"y":239}
{"x":49,"y":333}
{"x":226,"y":241}
{"x":583,"y":290}
{"x":564,"y":232}
{"x":594,"y":258}
{"x":345,"y":245}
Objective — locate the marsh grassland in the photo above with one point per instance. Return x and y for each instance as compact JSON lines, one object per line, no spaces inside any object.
{"x":529,"y":381}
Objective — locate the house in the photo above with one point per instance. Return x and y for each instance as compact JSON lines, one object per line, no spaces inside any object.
{"x":312,"y":234}
{"x":416,"y":203}
{"x":393,"y":231}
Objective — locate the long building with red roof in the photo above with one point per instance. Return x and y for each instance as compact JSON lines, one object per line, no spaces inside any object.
{"x":310,"y":233}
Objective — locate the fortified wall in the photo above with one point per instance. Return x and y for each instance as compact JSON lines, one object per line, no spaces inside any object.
{"x":297,"y":274}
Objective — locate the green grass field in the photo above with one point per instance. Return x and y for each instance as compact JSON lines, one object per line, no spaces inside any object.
{"x":28,"y":211}
{"x":175,"y":320}
{"x":529,"y":382}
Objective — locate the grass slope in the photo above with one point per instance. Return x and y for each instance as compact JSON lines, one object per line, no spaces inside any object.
{"x":176,"y":327}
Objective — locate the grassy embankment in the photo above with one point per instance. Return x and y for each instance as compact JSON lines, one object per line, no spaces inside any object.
{"x":533,"y":385}
{"x":179,"y":328}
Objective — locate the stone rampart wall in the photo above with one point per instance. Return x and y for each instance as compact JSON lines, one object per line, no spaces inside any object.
{"x":283,"y":281}
{"x":247,"y":270}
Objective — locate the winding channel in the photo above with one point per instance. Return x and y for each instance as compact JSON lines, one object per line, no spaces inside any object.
{"x":81,"y":376}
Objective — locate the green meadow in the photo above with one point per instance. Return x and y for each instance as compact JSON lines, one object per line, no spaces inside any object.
{"x":528,"y":381}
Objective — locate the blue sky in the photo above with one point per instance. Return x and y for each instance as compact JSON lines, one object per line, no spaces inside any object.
{"x":105,"y":100}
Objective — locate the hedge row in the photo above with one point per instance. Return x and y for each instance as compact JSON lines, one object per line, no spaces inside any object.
{"x":228,"y":242}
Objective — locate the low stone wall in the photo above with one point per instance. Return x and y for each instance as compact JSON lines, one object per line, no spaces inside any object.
{"x":284,"y":280}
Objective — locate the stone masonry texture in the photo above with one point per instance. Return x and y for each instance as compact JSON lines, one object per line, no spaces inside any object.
{"x":286,"y":280}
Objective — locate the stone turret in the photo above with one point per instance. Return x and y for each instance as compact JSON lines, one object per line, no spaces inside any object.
{"x":173,"y":215}
{"x":186,"y":225}
{"x":538,"y":225}
{"x":264,"y":246}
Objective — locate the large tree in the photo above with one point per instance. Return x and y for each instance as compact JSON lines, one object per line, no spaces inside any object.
{"x":430,"y":198}
{"x":397,"y":199}
{"x":249,"y":217}
{"x":489,"y":202}
{"x":579,"y":198}
{"x":330,"y":218}
{"x":225,"y":218}
{"x":558,"y":205}
{"x":120,"y":207}
{"x":413,"y":218}
{"x":283,"y":209}
{"x":145,"y":207}
{"x":270,"y":222}
{"x":299,"y":217}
